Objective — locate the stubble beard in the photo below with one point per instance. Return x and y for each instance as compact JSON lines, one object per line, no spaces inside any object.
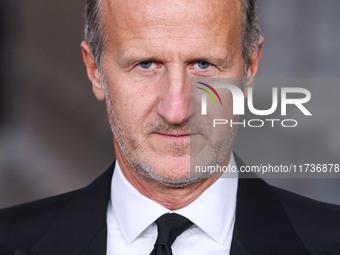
{"x":137,"y":156}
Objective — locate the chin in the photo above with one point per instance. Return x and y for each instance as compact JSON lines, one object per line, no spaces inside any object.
{"x":171,"y":175}
{"x":173,"y":170}
{"x":177,"y":182}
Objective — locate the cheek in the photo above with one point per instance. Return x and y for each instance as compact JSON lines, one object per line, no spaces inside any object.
{"x":132,"y":101}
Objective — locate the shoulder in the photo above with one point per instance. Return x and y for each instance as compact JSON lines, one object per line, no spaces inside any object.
{"x":317,"y":223}
{"x":55,"y":218}
{"x":22,"y":225}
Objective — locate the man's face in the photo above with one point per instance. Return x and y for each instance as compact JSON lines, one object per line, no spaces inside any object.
{"x":153,"y":48}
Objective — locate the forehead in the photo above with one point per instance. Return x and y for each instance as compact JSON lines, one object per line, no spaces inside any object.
{"x":204,"y":17}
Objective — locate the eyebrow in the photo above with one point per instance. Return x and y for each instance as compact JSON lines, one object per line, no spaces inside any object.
{"x":131,"y":61}
{"x":226,"y":61}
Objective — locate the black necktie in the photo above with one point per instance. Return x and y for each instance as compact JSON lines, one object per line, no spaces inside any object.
{"x":169,"y":226}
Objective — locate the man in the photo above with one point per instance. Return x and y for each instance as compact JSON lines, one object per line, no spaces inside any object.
{"x":140,"y":56}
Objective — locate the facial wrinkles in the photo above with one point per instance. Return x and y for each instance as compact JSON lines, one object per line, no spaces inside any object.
{"x":140,"y":32}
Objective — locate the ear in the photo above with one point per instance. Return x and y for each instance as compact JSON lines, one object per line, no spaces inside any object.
{"x":254,"y":65}
{"x":92,"y":71}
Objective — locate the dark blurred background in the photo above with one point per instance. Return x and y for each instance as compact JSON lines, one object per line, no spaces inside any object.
{"x":55,"y":137}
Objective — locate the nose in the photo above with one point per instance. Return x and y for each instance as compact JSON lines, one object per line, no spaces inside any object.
{"x":174,"y":101}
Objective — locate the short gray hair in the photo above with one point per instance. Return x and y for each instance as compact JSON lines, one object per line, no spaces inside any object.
{"x":251,"y":31}
{"x":95,"y":37}
{"x":94,"y":34}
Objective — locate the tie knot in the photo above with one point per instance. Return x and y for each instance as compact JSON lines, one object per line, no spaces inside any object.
{"x":170,"y":226}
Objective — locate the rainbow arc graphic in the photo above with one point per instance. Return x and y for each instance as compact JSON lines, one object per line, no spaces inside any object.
{"x":209,"y":93}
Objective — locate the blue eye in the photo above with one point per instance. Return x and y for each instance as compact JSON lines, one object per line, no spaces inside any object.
{"x":203,"y":64}
{"x":146,"y":64}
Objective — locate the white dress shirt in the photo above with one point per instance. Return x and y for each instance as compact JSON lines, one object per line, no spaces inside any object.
{"x":131,"y":219}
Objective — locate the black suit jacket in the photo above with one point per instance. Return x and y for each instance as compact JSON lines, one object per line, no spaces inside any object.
{"x":268,"y":221}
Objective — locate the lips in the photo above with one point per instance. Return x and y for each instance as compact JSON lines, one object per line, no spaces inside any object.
{"x":174,"y":136}
{"x":179,"y":135}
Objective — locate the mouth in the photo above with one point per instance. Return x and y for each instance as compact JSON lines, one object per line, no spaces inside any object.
{"x":175,"y":136}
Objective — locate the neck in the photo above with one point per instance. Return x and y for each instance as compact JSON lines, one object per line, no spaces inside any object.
{"x":169,"y":197}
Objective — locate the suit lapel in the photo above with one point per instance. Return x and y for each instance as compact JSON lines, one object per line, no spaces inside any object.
{"x":81,"y":227}
{"x":237,"y":248}
{"x":261,"y":225}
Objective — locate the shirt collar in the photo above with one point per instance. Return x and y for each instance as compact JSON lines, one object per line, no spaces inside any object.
{"x":213,"y":211}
